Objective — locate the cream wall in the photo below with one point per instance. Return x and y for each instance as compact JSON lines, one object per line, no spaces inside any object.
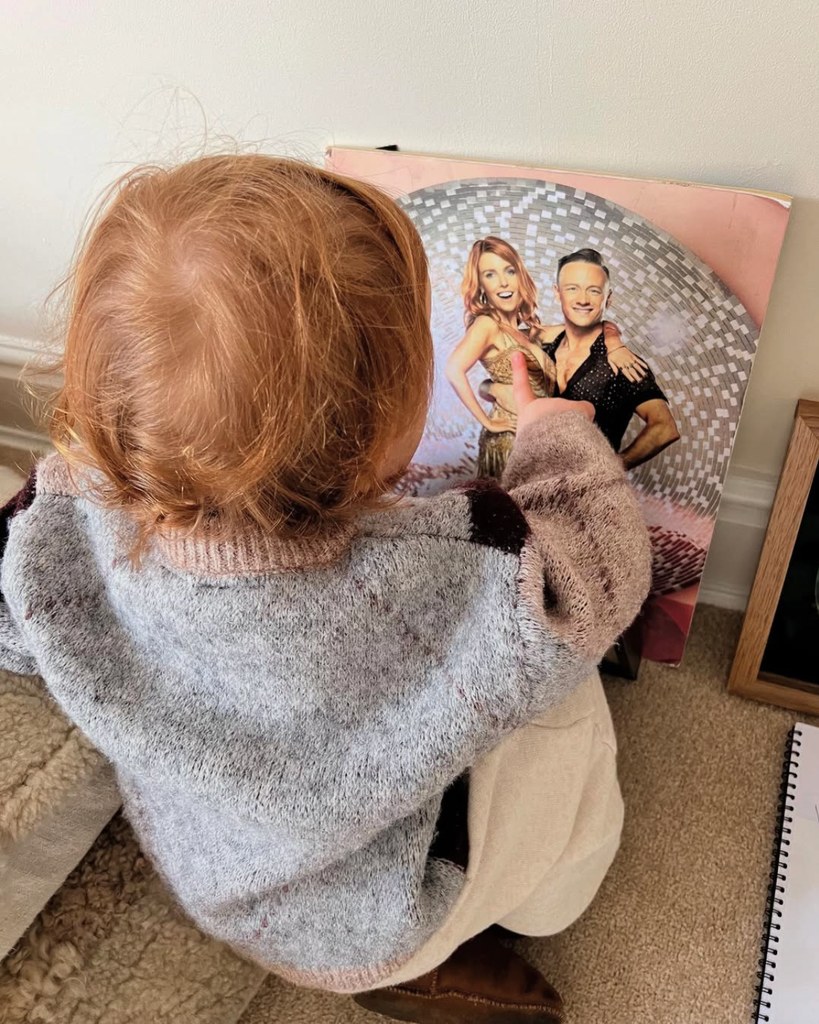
{"x":723,"y":93}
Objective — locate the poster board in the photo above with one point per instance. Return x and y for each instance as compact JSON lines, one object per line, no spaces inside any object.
{"x":690,"y":270}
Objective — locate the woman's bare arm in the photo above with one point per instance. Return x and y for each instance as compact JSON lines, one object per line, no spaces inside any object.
{"x":468,"y":351}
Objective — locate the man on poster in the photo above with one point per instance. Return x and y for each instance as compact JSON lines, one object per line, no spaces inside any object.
{"x":583,"y":289}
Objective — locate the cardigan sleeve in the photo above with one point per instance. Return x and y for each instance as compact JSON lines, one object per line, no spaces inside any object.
{"x":585,"y":560}
{"x":14,"y":656}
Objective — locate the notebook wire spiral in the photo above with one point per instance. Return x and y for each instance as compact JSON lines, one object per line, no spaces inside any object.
{"x":777,"y":879}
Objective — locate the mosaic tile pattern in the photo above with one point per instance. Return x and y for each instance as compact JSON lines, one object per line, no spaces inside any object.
{"x":671,"y":308}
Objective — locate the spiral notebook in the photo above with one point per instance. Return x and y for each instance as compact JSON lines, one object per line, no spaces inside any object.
{"x":789,"y":969}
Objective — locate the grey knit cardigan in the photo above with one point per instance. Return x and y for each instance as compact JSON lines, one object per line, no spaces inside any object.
{"x":284,"y":716}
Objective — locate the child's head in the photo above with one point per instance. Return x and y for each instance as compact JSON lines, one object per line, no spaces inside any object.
{"x":247,"y":342}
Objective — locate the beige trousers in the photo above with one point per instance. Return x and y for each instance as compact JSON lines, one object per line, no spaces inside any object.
{"x":545,"y":816}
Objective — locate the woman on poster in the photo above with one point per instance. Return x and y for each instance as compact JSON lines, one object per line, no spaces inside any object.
{"x":500,"y":312}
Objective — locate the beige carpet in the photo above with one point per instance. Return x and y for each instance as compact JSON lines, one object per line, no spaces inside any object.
{"x":672,"y":937}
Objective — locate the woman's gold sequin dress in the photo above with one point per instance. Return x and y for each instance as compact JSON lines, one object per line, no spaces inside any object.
{"x":494,"y":449}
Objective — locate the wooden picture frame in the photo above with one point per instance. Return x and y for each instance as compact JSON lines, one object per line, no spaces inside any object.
{"x":747,"y":678}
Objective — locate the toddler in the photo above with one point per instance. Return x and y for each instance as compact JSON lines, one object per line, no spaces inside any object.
{"x":353,"y":733}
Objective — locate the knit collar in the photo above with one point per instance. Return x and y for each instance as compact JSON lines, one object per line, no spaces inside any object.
{"x":251,"y":552}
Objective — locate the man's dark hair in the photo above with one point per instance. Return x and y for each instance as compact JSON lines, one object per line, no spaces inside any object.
{"x":583,"y":256}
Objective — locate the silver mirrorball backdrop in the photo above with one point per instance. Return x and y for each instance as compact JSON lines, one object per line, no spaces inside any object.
{"x":671,"y":308}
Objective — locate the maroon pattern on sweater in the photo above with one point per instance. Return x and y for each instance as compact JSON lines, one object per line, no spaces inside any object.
{"x":18,"y":503}
{"x":495,"y":518}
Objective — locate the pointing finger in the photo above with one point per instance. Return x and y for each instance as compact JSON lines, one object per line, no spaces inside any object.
{"x":521,"y":385}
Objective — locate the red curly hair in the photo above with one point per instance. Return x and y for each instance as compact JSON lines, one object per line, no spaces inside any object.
{"x":246,"y":338}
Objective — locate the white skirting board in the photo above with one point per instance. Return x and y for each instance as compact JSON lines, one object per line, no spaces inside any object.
{"x":25,"y":440}
{"x":16,"y":351}
{"x":737,"y":542}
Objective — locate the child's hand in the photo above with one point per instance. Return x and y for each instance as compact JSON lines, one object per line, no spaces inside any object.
{"x":530,"y":408}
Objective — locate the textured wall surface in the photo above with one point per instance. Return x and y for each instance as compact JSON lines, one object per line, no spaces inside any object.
{"x":723,"y":93}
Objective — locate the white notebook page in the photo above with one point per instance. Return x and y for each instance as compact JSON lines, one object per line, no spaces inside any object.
{"x":795,"y":985}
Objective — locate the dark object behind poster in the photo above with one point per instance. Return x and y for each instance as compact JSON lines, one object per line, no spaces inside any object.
{"x":793,"y":643}
{"x":623,"y":658}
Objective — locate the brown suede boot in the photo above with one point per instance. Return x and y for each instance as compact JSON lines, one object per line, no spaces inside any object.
{"x":483,"y":982}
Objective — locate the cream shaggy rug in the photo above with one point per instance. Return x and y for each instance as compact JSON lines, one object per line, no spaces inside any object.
{"x":110,"y":948}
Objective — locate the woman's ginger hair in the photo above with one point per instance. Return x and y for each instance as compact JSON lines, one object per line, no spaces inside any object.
{"x":472,"y":289}
{"x":246,"y":338}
